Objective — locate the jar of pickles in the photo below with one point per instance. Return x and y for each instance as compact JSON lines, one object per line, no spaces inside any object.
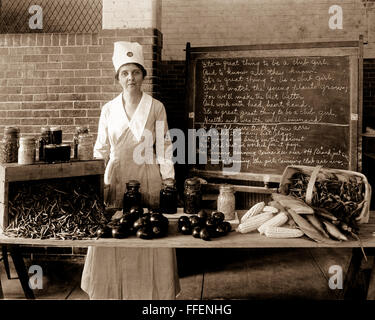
{"x":226,"y":201}
{"x":44,"y":139}
{"x":26,"y":151}
{"x":132,"y":196}
{"x":168,"y":196}
{"x":85,"y":147}
{"x":192,"y":196}
{"x":9,"y":145}
{"x":79,"y":131}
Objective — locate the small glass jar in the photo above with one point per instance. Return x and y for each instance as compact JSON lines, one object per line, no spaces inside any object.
{"x":56,"y":135}
{"x":85,"y":147}
{"x":9,"y":145}
{"x":50,"y":153}
{"x":63,"y":151}
{"x":26,"y":151}
{"x":226,"y":201}
{"x":132,"y":196}
{"x":168,"y":197}
{"x":192,"y":196}
{"x":79,"y":131}
{"x":44,"y":139}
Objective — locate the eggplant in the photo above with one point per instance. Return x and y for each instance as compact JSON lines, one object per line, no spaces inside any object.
{"x":104,"y":232}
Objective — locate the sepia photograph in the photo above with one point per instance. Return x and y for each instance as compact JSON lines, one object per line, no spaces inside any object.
{"x":187,"y":157}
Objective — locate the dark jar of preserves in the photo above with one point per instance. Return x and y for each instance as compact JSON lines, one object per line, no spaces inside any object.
{"x":9,"y":145}
{"x":168,"y":197}
{"x":56,"y":135}
{"x":132,"y":196}
{"x":192,"y":196}
{"x":51,"y":153}
{"x":44,"y":139}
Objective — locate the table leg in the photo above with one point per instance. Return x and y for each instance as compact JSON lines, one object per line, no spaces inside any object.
{"x":20,"y":267}
{"x":353,"y":270}
{"x":5,"y":260}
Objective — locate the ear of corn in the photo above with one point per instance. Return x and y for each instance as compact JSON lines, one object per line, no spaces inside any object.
{"x":283,"y":232}
{"x":271,"y":209}
{"x":317,"y":224}
{"x":253,"y":211}
{"x":253,"y":223}
{"x":277,"y":221}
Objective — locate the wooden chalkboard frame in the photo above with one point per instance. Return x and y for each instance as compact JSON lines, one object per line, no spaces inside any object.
{"x":353,"y":49}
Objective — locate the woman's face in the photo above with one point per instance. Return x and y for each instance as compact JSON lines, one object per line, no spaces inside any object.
{"x":130,"y":77}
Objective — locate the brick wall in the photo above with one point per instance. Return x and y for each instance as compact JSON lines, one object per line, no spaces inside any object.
{"x":64,"y":79}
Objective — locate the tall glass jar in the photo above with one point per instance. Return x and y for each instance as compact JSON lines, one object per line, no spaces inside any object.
{"x":132,"y":196}
{"x":26,"y":151}
{"x":168,"y":197}
{"x":79,"y":131}
{"x":85,"y":147}
{"x":9,"y":145}
{"x":44,"y":139}
{"x":192,"y":196}
{"x":56,"y":135}
{"x":226,"y":201}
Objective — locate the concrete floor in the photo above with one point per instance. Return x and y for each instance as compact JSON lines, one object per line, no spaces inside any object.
{"x":213,"y":274}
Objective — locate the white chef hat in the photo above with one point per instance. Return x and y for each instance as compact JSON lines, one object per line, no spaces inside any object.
{"x":127,"y":52}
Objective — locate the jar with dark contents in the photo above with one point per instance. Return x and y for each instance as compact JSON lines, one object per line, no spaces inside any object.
{"x":132,"y":196}
{"x":51,"y":153}
{"x":9,"y":145}
{"x":79,"y":131}
{"x":44,"y":139}
{"x":56,"y":135}
{"x":192,"y":196}
{"x":168,"y":197}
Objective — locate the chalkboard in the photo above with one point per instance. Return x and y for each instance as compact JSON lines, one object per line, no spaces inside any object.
{"x":294,"y":106}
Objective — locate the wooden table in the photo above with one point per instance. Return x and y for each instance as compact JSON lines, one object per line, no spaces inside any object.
{"x":232,"y":240}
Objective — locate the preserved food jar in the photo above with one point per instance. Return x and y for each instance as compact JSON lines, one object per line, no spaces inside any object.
{"x":26,"y":151}
{"x":9,"y":145}
{"x":63,"y":151}
{"x":168,"y":197}
{"x":50,"y":153}
{"x":79,"y":131}
{"x":132,"y":196}
{"x":192,"y":196}
{"x":226,"y":201}
{"x":85,"y":147}
{"x":56,"y":135}
{"x":44,"y":139}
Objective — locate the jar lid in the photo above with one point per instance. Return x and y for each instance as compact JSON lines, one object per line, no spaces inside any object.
{"x":133,"y":183}
{"x":169,"y":182}
{"x":56,"y":128}
{"x":82,"y":129}
{"x":27,"y":139}
{"x":63,"y":146}
{"x":226,"y":187}
{"x":9,"y":130}
{"x":45,"y":129}
{"x":192,"y":182}
{"x":50,"y":146}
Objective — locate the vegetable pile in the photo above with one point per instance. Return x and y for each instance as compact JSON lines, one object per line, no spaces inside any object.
{"x":337,"y":198}
{"x":204,"y":225}
{"x":55,"y":209}
{"x":136,"y":222}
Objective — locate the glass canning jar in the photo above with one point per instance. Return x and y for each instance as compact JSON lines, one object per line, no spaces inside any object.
{"x":192,"y":196}
{"x":56,"y":135}
{"x":26,"y":151}
{"x":9,"y":145}
{"x":85,"y":147}
{"x":44,"y":139}
{"x":226,"y":201}
{"x":168,"y":196}
{"x":132,"y":196}
{"x":79,"y":131}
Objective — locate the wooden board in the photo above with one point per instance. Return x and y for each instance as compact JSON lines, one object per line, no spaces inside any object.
{"x":295,"y":104}
{"x":232,"y":240}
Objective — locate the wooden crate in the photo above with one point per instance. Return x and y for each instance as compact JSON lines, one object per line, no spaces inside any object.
{"x":13,"y":172}
{"x":313,"y":172}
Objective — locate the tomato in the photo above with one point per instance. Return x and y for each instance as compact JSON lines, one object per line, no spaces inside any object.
{"x":218,"y":216}
{"x":186,"y":229}
{"x":196,"y":232}
{"x":144,"y":233}
{"x":195,"y":221}
{"x":204,"y":234}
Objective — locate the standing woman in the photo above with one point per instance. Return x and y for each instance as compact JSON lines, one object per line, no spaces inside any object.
{"x":131,"y":273}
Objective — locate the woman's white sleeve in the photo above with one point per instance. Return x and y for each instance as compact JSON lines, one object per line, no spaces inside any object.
{"x":102,"y":148}
{"x":164,"y":147}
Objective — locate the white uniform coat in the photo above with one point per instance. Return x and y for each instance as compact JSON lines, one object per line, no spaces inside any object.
{"x":131,"y":273}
